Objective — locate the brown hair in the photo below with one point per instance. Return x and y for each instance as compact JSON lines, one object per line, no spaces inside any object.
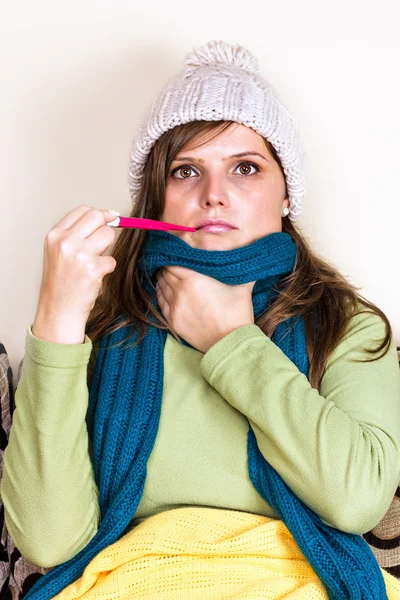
{"x":314,"y":286}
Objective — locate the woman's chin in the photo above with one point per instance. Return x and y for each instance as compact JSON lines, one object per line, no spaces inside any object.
{"x":213,"y":243}
{"x":207,"y":241}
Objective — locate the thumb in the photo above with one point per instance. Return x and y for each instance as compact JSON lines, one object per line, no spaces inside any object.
{"x":110,"y":214}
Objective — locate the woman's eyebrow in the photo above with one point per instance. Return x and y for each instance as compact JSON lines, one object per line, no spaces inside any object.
{"x":239,"y":155}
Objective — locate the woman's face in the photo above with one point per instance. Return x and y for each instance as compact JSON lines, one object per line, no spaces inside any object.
{"x":208,"y":183}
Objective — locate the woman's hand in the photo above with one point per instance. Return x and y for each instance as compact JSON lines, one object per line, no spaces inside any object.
{"x":73,"y":269}
{"x":201,"y":309}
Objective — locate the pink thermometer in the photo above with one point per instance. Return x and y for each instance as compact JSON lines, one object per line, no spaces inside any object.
{"x":135,"y":223}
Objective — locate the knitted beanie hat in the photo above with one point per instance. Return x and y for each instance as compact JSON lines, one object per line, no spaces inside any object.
{"x":221,"y":81}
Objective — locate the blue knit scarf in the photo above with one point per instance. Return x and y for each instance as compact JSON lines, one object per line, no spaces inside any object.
{"x":124,"y":412}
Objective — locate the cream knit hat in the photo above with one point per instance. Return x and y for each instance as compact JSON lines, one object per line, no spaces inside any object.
{"x":221,"y":81}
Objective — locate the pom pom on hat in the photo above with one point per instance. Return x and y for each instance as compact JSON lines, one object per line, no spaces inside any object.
{"x":218,"y":51}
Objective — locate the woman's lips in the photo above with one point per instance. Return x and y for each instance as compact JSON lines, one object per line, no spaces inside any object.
{"x":215,"y":228}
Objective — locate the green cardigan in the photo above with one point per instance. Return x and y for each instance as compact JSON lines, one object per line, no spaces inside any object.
{"x":338,"y":450}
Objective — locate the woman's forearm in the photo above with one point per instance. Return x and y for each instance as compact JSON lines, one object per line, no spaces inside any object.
{"x":48,"y":487}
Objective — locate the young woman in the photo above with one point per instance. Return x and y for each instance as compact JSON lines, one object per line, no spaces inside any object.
{"x":223,"y":419}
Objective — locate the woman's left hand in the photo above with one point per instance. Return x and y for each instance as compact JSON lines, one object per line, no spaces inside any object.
{"x":201,"y":309}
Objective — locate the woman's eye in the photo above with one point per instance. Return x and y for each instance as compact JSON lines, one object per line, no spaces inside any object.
{"x":249,"y":164}
{"x":185,"y":169}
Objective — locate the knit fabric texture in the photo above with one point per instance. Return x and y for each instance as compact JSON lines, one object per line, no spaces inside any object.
{"x":203,"y":553}
{"x":221,"y":81}
{"x":124,"y":411}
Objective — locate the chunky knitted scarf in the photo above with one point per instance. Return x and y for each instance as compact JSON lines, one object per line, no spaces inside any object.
{"x":124,"y":412}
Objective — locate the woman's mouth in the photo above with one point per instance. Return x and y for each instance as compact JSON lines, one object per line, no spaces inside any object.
{"x":215,"y":228}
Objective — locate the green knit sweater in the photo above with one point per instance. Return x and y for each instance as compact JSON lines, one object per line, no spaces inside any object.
{"x":337,"y":449}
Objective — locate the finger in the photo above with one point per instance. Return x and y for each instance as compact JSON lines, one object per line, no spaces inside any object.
{"x":70,"y":218}
{"x":178,"y":272}
{"x":165,"y":287}
{"x":90,"y":221}
{"x":101,"y":239}
{"x":162,"y":303}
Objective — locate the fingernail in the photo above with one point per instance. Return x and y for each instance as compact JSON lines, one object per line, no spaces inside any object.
{"x":113,"y":212}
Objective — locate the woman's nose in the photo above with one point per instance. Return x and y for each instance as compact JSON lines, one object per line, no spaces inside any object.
{"x":215,"y":192}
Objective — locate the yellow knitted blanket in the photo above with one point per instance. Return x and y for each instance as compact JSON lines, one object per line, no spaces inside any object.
{"x":204,"y":553}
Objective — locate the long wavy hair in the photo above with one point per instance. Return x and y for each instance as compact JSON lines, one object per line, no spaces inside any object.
{"x":313,"y":286}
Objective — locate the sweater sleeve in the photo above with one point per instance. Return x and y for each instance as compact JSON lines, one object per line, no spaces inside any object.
{"x":337,"y":449}
{"x":48,"y":489}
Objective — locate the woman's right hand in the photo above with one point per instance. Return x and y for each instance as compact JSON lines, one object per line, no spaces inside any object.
{"x":73,"y":270}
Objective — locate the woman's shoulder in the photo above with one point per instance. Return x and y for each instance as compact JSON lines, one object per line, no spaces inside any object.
{"x":351,"y":364}
{"x":365,"y":322}
{"x":366,"y":329}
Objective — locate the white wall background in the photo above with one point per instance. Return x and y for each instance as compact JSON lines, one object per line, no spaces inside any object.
{"x":76,"y":76}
